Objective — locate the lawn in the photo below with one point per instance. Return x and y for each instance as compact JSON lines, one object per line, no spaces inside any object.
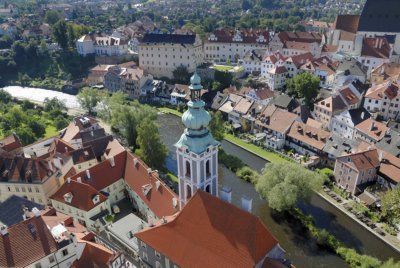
{"x":170,"y":111}
{"x":51,"y":131}
{"x":222,"y":68}
{"x":270,"y":156}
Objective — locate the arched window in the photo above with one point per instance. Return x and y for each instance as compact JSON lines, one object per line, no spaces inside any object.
{"x":187,"y":168}
{"x":208,"y":173}
{"x":208,"y":189}
{"x":188,"y":192}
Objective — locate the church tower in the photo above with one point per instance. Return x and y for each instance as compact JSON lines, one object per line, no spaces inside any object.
{"x":197,"y":150}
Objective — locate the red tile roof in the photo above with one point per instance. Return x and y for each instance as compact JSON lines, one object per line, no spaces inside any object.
{"x":158,"y":200}
{"x":362,"y":160}
{"x":82,"y":195}
{"x":104,"y":174}
{"x":377,"y":47}
{"x":52,"y":218}
{"x":307,"y":37}
{"x":390,"y":167}
{"x":26,"y":243}
{"x":387,"y":88}
{"x":279,"y":120}
{"x":209,"y":232}
{"x":309,"y":135}
{"x":372,"y":128}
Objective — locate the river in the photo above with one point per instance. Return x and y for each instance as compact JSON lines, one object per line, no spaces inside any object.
{"x":302,"y":250}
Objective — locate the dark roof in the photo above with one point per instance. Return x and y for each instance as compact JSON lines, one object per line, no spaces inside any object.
{"x":169,"y":38}
{"x":337,"y":145}
{"x":352,"y":67}
{"x":380,"y":16}
{"x":98,"y":139}
{"x":390,"y":143}
{"x":82,"y":155}
{"x":12,"y":209}
{"x":284,"y":102}
{"x":348,"y":23}
{"x":359,"y":115}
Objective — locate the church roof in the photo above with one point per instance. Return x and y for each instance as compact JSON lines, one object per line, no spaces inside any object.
{"x":380,"y":16}
{"x":210,"y":232}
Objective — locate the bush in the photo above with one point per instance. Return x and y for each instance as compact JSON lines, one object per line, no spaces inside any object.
{"x":231,"y":162}
{"x":247,"y":174}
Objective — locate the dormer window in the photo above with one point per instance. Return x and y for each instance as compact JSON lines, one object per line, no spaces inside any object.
{"x":96,"y":199}
{"x":68,"y":197}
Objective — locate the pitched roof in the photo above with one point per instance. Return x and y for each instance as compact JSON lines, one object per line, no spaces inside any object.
{"x":93,"y":255}
{"x":276,"y":119}
{"x":243,"y":106}
{"x":306,"y":37}
{"x":169,"y":38}
{"x":386,"y":70}
{"x":208,"y":226}
{"x":390,"y":167}
{"x":53,"y":218}
{"x":26,"y":243}
{"x":332,"y":103}
{"x":348,"y":23}
{"x":227,"y":35}
{"x":82,"y":195}
{"x":390,"y":142}
{"x":377,"y":47}
{"x":362,"y":160}
{"x":12,"y":209}
{"x":104,"y":174}
{"x":10,"y":143}
{"x":380,"y":16}
{"x":338,"y":146}
{"x":160,"y":200}
{"x":372,"y":128}
{"x":309,"y":135}
{"x":388,"y":89}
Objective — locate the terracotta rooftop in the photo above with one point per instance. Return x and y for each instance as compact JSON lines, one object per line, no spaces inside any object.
{"x":10,"y":143}
{"x":306,"y":37}
{"x":243,"y":106}
{"x":208,"y":226}
{"x":26,"y":243}
{"x":276,"y":119}
{"x":81,"y":194}
{"x":377,"y":47}
{"x":275,"y":57}
{"x":52,"y":218}
{"x":278,"y":70}
{"x":349,"y":96}
{"x":105,"y":173}
{"x":372,"y":128}
{"x":388,"y":89}
{"x":390,"y":167}
{"x":299,"y":60}
{"x":158,"y":199}
{"x":332,"y":104}
{"x":314,"y":137}
{"x":386,"y":70}
{"x":362,"y":160}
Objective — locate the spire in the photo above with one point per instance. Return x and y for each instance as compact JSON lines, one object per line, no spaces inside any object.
{"x":195,"y":87}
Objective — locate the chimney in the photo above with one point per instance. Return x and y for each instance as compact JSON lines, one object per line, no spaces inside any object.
{"x":69,"y":179}
{"x":50,"y":166}
{"x":36,"y":212}
{"x":66,"y":149}
{"x":380,"y":156}
{"x":362,"y":115}
{"x":92,"y":133}
{"x":88,"y":173}
{"x":112,"y":161}
{"x":135,"y":161}
{"x":380,"y":42}
{"x":158,"y":183}
{"x":3,"y":230}
{"x":372,"y":126}
{"x":226,"y":194}
{"x":26,"y":213}
{"x":247,"y":203}
{"x":79,"y":179}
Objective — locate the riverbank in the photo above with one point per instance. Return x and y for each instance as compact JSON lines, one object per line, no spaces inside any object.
{"x":267,"y":157}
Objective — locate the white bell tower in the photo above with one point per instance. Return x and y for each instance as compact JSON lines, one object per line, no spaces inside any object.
{"x":197,"y":150}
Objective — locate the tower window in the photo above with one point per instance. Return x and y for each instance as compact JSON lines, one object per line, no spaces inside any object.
{"x":187,"y":169}
{"x":188,"y":192}
{"x":208,"y":173}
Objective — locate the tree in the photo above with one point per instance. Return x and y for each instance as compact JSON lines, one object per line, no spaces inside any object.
{"x":52,"y":16}
{"x":60,"y":32}
{"x":216,"y":126}
{"x":109,"y":103}
{"x":54,"y":107}
{"x":391,"y":205}
{"x":151,"y":149}
{"x":88,"y":98}
{"x":5,"y":97}
{"x":284,"y":184}
{"x":304,"y":85}
{"x":181,"y":74}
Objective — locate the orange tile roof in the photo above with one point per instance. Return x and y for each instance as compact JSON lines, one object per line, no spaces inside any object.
{"x":52,"y":218}
{"x":93,"y":255}
{"x":390,"y":167}
{"x":103,"y":174}
{"x":243,"y":106}
{"x":332,"y":103}
{"x":82,"y":195}
{"x":314,"y":137}
{"x":372,"y":128}
{"x":349,"y":96}
{"x":276,"y":119}
{"x":209,"y":232}
{"x":377,"y":47}
{"x":26,"y":243}
{"x":388,"y":88}
{"x":387,"y":70}
{"x":362,"y":160}
{"x":158,"y":200}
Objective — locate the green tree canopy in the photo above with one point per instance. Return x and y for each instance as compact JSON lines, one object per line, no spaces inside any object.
{"x":216,"y":126}
{"x":60,"y":32}
{"x":304,"y":85}
{"x":88,"y":98}
{"x":391,"y":205}
{"x":151,"y":149}
{"x":181,"y":75}
{"x":52,"y":16}
{"x":109,"y":104}
{"x":284,"y":184}
{"x":5,"y":97}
